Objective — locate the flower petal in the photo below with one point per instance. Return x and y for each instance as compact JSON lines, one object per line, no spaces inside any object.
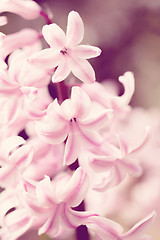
{"x":54,"y":36}
{"x":10,"y":144}
{"x":82,"y":69}
{"x":140,"y":228}
{"x":62,"y":71}
{"x":46,"y":58}
{"x":104,"y":228}
{"x":81,"y":103}
{"x":75,"y":29}
{"x":86,"y":51}
{"x":76,"y":188}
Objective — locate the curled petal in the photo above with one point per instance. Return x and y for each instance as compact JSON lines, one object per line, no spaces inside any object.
{"x":46,"y":58}
{"x":129,"y":86}
{"x":62,"y":71}
{"x":86,"y":51}
{"x":54,"y":36}
{"x":75,"y":29}
{"x":82,"y":69}
{"x":91,"y":137}
{"x":76,"y":188}
{"x":10,"y":144}
{"x":140,"y":228}
{"x":104,"y":228}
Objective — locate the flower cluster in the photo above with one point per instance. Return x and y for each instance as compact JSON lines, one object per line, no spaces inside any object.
{"x":75,"y":146}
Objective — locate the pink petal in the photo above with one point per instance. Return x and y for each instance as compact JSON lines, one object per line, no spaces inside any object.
{"x":3,"y":20}
{"x":131,"y":167}
{"x":140,"y":228}
{"x":122,"y":145}
{"x":72,"y":149}
{"x":101,"y":163}
{"x":75,"y":29}
{"x":25,"y":37}
{"x":18,"y":222}
{"x":54,"y":36}
{"x":129,"y":86}
{"x":22,"y":157}
{"x":26,"y":9}
{"x":45,"y":193}
{"x":10,"y":144}
{"x":46,"y":58}
{"x":52,"y":133}
{"x":86,"y":51}
{"x":78,"y":218}
{"x":76,"y":188}
{"x":104,"y":228}
{"x":96,"y":122}
{"x":62,"y":71}
{"x":81,"y":103}
{"x":82,"y":69}
{"x":91,"y":137}
{"x":142,"y":141}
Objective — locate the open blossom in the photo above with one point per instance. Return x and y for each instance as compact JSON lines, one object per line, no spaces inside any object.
{"x":76,"y":118}
{"x":65,"y":53}
{"x":45,"y":205}
{"x":114,"y":162}
{"x":25,"y":8}
{"x":20,"y":85}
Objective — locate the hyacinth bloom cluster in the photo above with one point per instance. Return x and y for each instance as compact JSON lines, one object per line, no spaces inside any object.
{"x":74,"y":146}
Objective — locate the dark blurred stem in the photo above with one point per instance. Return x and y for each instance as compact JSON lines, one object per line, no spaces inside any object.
{"x":82,"y":231}
{"x":46,"y":17}
{"x":62,"y":91}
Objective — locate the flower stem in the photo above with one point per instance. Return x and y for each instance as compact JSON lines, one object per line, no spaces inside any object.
{"x":46,"y":17}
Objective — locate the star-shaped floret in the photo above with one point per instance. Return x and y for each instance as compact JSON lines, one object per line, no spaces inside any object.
{"x":64,"y":54}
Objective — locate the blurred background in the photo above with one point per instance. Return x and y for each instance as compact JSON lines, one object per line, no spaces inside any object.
{"x":127,"y":31}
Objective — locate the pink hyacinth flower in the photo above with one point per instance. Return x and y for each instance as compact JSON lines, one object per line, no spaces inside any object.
{"x":76,"y":118}
{"x":65,"y":52}
{"x":27,"y":9}
{"x":46,"y":205}
{"x":111,"y":164}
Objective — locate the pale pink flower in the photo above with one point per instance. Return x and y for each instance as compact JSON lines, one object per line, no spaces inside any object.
{"x":46,"y":205}
{"x":13,"y":160}
{"x":65,"y":52}
{"x":27,"y":9}
{"x":76,"y":118}
{"x":21,"y":84}
{"x":109,"y":164}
